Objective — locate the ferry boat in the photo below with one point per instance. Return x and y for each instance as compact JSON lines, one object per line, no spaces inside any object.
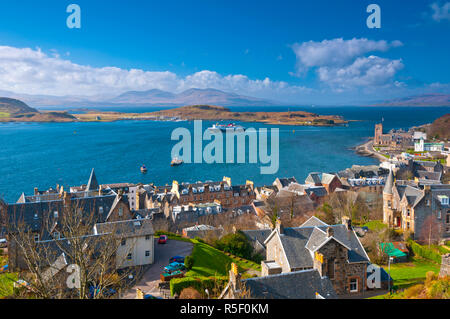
{"x":176,"y":161}
{"x":226,"y":128}
{"x":143,"y":169}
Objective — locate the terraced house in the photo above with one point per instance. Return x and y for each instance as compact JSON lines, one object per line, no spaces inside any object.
{"x":417,"y":207}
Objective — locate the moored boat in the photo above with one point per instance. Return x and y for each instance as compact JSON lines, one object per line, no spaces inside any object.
{"x":226,"y":128}
{"x":176,"y":161}
{"x":143,"y":169}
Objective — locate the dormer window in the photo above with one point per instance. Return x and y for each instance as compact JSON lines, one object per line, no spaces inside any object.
{"x":100,"y":210}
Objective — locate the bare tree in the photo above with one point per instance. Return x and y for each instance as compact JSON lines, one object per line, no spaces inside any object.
{"x":431,"y":231}
{"x":65,"y":258}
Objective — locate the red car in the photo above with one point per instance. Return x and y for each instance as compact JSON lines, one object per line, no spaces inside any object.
{"x":162,"y":239}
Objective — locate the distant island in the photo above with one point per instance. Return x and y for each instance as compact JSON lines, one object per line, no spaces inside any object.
{"x":432,"y":99}
{"x":12,"y":110}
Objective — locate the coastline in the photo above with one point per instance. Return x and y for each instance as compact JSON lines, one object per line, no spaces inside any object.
{"x":366,"y":149}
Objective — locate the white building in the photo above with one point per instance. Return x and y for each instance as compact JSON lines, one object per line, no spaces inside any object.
{"x":135,"y":238}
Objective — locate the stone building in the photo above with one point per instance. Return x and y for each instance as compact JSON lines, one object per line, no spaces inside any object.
{"x":416,"y":207}
{"x":334,"y":251}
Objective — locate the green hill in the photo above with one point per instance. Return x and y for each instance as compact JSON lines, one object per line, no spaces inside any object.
{"x":13,"y":106}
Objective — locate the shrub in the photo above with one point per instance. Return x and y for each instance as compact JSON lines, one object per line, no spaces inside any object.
{"x":214,"y":284}
{"x":189,"y":262}
{"x":236,"y":244}
{"x":425,"y":252}
{"x":190,"y":293}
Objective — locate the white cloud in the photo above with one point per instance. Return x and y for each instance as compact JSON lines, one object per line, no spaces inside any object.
{"x":336,"y":52}
{"x":31,"y":71}
{"x":441,"y":12}
{"x":364,"y":72}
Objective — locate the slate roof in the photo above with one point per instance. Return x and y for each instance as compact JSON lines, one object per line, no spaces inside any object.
{"x":436,"y":176}
{"x":319,"y":191}
{"x":127,"y":228}
{"x":258,"y":235}
{"x":293,"y":285}
{"x":92,"y":184}
{"x":299,"y":243}
{"x":286,"y":181}
{"x":313,"y":221}
{"x":389,"y":183}
{"x":328,"y":178}
{"x":313,"y":178}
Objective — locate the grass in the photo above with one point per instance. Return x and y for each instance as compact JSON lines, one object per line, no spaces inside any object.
{"x":6,"y":280}
{"x":375,"y":225}
{"x":410,"y":273}
{"x":209,"y":261}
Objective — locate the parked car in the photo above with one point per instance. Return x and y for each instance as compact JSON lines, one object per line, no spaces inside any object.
{"x":174,"y":267}
{"x":178,"y":259}
{"x":3,"y":243}
{"x":162,"y":239}
{"x":107,"y":293}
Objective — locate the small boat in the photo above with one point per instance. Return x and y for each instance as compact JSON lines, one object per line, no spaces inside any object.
{"x":226,"y":128}
{"x":176,"y":161}
{"x":143,"y":169}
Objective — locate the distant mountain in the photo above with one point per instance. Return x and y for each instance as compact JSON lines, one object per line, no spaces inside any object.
{"x":13,"y":106}
{"x":432,"y":99}
{"x":144,"y":98}
{"x":188,"y":97}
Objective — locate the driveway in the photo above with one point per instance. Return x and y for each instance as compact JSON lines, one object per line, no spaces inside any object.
{"x":150,"y":279}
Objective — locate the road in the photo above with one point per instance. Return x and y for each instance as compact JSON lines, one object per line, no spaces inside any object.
{"x":150,"y":279}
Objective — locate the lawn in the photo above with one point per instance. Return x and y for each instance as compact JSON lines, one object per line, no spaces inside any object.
{"x":209,"y":261}
{"x":6,"y":280}
{"x":410,"y":273}
{"x":375,"y":225}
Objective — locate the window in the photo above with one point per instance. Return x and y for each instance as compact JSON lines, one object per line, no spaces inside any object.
{"x":130,"y":256}
{"x":147,"y":253}
{"x":448,"y":217}
{"x":439,"y":214}
{"x":147,"y":237}
{"x":36,"y":237}
{"x":427,"y":202}
{"x":124,"y":242}
{"x":55,"y":214}
{"x":354,"y":285}
{"x":120,"y":211}
{"x":100,"y":210}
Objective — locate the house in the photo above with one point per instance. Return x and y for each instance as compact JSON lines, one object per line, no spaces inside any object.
{"x":330,"y":182}
{"x":192,"y":212}
{"x":412,"y":206}
{"x":280,"y":183}
{"x":136,"y":238}
{"x":202,"y":231}
{"x":333,"y":251}
{"x":305,"y":284}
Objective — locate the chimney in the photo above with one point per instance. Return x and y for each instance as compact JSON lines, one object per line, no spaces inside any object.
{"x":279,"y":227}
{"x":36,"y":191}
{"x":66,"y":199}
{"x":347,"y":222}
{"x":330,"y":232}
{"x":100,"y":190}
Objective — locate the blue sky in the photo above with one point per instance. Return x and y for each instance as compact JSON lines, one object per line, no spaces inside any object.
{"x":297,"y":51}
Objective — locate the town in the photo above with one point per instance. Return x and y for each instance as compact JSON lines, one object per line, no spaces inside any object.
{"x":343,"y":234}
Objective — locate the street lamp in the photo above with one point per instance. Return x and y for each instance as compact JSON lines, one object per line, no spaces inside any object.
{"x":389,"y":279}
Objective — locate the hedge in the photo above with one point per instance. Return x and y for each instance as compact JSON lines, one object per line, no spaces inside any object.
{"x":425,"y":252}
{"x":198,"y":283}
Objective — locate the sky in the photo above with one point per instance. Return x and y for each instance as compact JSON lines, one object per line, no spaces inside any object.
{"x":301,"y":52}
